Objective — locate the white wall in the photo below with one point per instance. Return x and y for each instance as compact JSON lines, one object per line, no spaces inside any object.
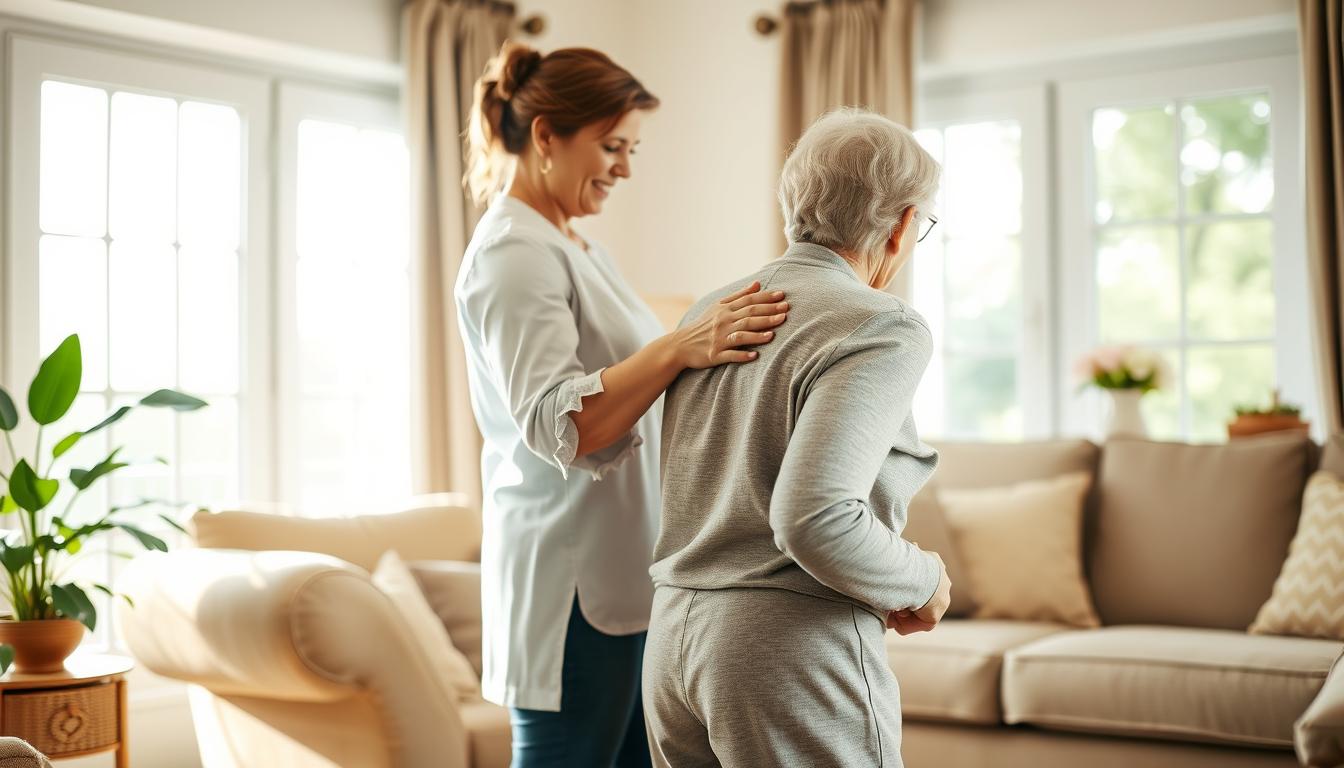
{"x":700,"y":209}
{"x":959,"y":32}
{"x":369,"y":28}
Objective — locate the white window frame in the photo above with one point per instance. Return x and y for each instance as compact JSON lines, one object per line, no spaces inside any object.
{"x":296,"y":103}
{"x":1029,"y":107}
{"x":33,"y":60}
{"x":1077,"y":297}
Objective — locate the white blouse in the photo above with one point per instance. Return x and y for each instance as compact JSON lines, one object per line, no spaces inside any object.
{"x":541,"y":318}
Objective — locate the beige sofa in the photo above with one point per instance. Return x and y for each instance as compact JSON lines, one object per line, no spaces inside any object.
{"x":1182,"y":545}
{"x":296,"y":659}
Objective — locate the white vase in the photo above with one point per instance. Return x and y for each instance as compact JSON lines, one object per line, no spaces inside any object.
{"x":1126,"y":417}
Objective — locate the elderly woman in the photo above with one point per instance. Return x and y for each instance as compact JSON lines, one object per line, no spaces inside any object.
{"x":780,"y":562}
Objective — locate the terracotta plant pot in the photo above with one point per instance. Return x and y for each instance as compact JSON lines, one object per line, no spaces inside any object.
{"x":1258,"y":423}
{"x":43,"y":645}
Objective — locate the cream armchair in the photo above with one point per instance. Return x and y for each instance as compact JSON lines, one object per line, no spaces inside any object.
{"x":294,"y":657}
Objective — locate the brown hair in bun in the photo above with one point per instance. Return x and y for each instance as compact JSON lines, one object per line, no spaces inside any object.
{"x":569,"y":88}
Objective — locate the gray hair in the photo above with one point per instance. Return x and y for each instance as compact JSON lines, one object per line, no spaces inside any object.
{"x":850,"y":178}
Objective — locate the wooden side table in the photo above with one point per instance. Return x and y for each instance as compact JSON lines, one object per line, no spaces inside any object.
{"x":80,"y":711}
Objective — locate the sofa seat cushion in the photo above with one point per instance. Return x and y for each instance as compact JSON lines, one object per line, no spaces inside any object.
{"x":488,"y":733}
{"x":1167,"y":682}
{"x":952,"y":673}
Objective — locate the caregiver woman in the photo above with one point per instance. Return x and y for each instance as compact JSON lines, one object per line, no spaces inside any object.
{"x":566,"y":366}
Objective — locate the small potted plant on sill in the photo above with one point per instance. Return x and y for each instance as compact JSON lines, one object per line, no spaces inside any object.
{"x":1278,"y":417}
{"x":1127,"y":373}
{"x":49,"y":615}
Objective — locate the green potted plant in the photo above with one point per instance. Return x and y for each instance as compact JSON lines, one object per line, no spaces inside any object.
{"x":1127,"y":373}
{"x":1278,"y":417}
{"x":49,"y":615}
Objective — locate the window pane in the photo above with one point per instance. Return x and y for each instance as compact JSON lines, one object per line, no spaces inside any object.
{"x":210,"y":180}
{"x":145,"y":434}
{"x":1162,"y":408}
{"x":1135,"y":170}
{"x":1138,"y":283}
{"x":325,"y":189}
{"x":208,"y":458}
{"x":142,"y":201}
{"x":143,"y":328}
{"x":928,"y":301}
{"x":1225,"y":161}
{"x":1231,"y":290}
{"x":381,"y":192}
{"x":983,"y":179}
{"x":209,"y":326}
{"x":352,"y":252}
{"x":72,"y":298}
{"x":984,"y":294}
{"x":982,"y":398}
{"x":72,"y":195}
{"x":1222,"y":378}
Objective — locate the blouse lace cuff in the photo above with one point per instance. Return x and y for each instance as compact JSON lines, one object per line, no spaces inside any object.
{"x":598,"y":463}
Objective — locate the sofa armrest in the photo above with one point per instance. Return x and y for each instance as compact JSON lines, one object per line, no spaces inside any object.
{"x":1319,"y":733}
{"x":293,"y":626}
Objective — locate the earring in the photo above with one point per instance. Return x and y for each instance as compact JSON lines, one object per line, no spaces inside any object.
{"x":546,"y":165}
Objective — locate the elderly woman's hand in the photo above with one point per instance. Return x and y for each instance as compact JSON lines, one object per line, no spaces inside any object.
{"x":743,"y":319}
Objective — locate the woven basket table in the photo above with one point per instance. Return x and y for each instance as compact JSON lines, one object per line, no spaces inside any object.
{"x":80,"y":711}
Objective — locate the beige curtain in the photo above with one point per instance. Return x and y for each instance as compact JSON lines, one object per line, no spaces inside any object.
{"x":1322,"y":31}
{"x":847,"y":53}
{"x":446,"y":45}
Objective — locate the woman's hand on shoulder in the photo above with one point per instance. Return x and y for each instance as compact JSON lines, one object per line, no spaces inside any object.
{"x":721,"y":333}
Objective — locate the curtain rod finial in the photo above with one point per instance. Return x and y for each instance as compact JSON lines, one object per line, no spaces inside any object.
{"x":765,"y":25}
{"x":533,"y":25}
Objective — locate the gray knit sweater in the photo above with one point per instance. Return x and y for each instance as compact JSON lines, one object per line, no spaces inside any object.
{"x":795,"y":471}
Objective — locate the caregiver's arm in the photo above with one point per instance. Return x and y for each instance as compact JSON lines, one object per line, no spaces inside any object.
{"x":514,"y":304}
{"x":845,"y":431}
{"x":631,"y":386}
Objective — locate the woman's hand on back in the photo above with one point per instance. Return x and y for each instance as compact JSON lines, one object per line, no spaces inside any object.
{"x":742,"y":319}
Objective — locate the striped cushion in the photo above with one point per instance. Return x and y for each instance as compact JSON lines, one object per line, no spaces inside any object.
{"x":1308,"y":598}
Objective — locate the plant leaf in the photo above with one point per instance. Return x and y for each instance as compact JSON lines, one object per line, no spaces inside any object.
{"x":65,"y":444}
{"x":9,"y":415}
{"x":6,"y":657}
{"x":147,"y":540}
{"x":15,"y":559}
{"x":72,"y":603}
{"x":83,"y":478}
{"x":167,"y":398}
{"x":57,"y":382}
{"x":7,"y":505}
{"x":69,"y":440}
{"x":176,"y":525}
{"x":30,"y":491}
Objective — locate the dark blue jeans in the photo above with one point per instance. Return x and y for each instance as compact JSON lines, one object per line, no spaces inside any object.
{"x":601,"y":719}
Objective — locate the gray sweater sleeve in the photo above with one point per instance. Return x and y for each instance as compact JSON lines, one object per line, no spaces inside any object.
{"x":849,"y":422}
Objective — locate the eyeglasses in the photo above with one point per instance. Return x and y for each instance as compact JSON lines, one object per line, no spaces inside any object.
{"x":928,"y":228}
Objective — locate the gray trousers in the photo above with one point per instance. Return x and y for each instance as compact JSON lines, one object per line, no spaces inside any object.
{"x":749,"y":678}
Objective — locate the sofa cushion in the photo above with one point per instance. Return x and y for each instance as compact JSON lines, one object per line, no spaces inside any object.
{"x":1194,"y":535}
{"x":1308,"y":599}
{"x":984,"y":465}
{"x":1167,"y":682}
{"x":433,"y":527}
{"x":488,"y":734}
{"x":394,"y":579}
{"x":926,"y":525}
{"x":1023,"y":549}
{"x":952,"y":672}
{"x":1332,"y":455}
{"x":453,"y":590}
